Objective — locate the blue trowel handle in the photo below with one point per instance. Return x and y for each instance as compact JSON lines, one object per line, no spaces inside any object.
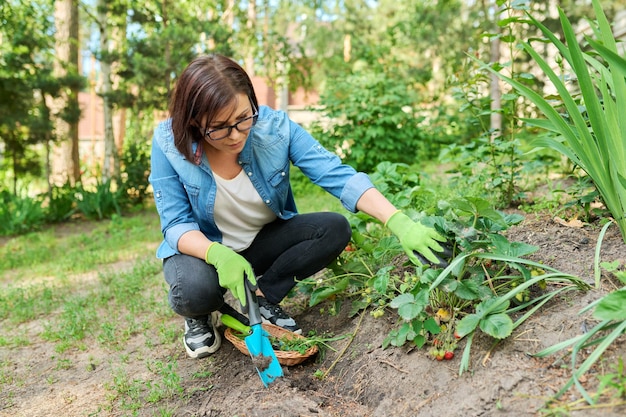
{"x":253,"y":305}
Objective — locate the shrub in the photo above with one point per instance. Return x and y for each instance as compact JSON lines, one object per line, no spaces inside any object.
{"x":61,"y":204}
{"x":373,"y":119}
{"x":99,"y":204}
{"x":136,"y":168}
{"x":19,"y":214}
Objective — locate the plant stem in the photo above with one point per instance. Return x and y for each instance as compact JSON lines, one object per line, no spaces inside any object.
{"x":332,"y":365}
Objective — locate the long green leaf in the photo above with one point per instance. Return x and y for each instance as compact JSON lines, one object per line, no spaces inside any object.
{"x":578,"y":138}
{"x":559,"y":346}
{"x":465,"y":358}
{"x":597,"y":273}
{"x":592,"y":102}
{"x":606,"y":117}
{"x":597,"y":143}
{"x":540,"y":301}
{"x":559,"y":147}
{"x":593,"y":358}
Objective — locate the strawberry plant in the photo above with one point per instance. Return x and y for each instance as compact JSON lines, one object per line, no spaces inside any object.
{"x":488,"y":286}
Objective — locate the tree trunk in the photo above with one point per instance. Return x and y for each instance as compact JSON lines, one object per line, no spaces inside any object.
{"x":65,"y":165}
{"x":119,"y":116}
{"x":168,"y":53}
{"x":120,"y":133}
{"x":250,"y":25}
{"x":110,"y":152}
{"x":495,"y":92}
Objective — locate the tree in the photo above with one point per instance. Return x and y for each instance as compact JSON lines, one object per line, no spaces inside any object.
{"x":25,"y":81}
{"x":66,"y":163}
{"x":110,"y":153}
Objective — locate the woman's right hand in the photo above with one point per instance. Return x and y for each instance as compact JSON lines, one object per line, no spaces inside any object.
{"x":232,"y":269}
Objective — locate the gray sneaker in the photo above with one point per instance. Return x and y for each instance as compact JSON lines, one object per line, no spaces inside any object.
{"x":274,"y":314}
{"x":201,"y":339}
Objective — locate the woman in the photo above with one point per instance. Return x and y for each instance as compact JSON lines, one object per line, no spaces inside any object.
{"x":220,"y":177}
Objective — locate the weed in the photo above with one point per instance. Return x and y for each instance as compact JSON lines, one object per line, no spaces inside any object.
{"x":124,"y":391}
{"x":203,"y":374}
{"x":168,"y":386}
{"x":63,"y":364}
{"x":6,"y":376}
{"x":60,"y":203}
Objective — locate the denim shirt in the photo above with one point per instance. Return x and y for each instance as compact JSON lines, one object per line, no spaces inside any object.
{"x":184,"y":192}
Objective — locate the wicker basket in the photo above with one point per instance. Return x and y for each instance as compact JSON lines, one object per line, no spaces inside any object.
{"x":285,"y":357}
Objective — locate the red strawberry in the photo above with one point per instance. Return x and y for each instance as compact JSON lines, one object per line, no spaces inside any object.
{"x":448,"y":355}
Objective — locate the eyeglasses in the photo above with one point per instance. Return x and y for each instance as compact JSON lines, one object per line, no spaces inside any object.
{"x":242,"y":126}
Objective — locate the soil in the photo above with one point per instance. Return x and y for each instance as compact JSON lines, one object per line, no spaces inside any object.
{"x":363,"y":379}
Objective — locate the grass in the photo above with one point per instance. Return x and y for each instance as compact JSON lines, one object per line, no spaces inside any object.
{"x":47,"y":253}
{"x":38,"y":271}
{"x":97,"y":285}
{"x":310,"y":198}
{"x":90,"y":285}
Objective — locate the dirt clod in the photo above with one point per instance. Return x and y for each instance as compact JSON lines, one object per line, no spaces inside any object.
{"x":261,"y":362}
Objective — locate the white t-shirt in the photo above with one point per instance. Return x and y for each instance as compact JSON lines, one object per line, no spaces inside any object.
{"x":239,"y":211}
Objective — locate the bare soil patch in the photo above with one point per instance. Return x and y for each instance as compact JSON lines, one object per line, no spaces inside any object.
{"x":365,"y":380}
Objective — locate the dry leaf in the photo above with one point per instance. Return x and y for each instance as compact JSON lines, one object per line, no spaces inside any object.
{"x":572,"y":223}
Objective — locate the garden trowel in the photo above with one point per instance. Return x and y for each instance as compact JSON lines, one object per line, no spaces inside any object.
{"x":258,"y":342}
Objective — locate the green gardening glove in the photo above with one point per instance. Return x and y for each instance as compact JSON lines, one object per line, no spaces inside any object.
{"x":415,"y":237}
{"x":232,"y":269}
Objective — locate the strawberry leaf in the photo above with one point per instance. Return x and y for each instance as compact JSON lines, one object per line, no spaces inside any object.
{"x":612,"y":306}
{"x":497,"y":325}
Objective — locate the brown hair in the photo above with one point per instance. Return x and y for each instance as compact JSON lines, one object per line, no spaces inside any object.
{"x":205,"y":87}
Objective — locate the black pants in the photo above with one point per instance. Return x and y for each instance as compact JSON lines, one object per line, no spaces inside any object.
{"x":283,"y":252}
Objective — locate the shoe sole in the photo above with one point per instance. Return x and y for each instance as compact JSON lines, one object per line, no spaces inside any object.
{"x":206,"y":351}
{"x":299,"y":331}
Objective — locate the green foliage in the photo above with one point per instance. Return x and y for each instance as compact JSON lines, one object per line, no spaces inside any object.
{"x":589,"y":123}
{"x":613,"y":382}
{"x":42,"y":254}
{"x":103,"y":202}
{"x":22,"y":213}
{"x":100,"y":309}
{"x":23,"y":304}
{"x":495,"y":164}
{"x":486,"y":282}
{"x":497,"y":155}
{"x":60,"y":204}
{"x":26,"y":82}
{"x":19,"y":213}
{"x":488,"y":286}
{"x":50,"y":254}
{"x":398,"y":181}
{"x":373,"y":118}
{"x":136,"y":169}
{"x":153,"y":57}
{"x":587,"y":127}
